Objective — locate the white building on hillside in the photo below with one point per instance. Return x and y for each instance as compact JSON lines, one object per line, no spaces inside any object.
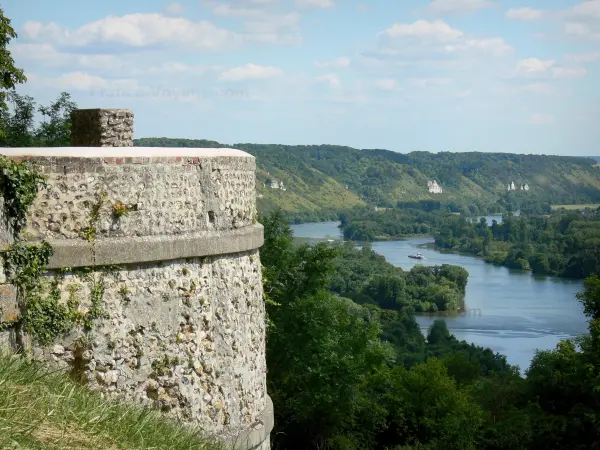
{"x":274,"y":184}
{"x":434,"y":188}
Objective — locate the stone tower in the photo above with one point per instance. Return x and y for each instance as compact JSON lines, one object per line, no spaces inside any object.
{"x":168,"y":241}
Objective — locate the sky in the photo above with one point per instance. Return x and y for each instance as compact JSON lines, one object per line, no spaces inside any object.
{"x":517,"y":76}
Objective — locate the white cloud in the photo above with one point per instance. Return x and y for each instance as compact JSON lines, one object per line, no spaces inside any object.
{"x":175,"y":8}
{"x":315,"y":3}
{"x":82,"y":81}
{"x":583,"y":57}
{"x":250,"y":72}
{"x":590,"y":8}
{"x":458,"y":6}
{"x":174,"y":67}
{"x":541,"y":119}
{"x":330,"y":79}
{"x":157,"y":30}
{"x":582,"y":30}
{"x":264,"y":25}
{"x":338,"y":63}
{"x":525,"y":14}
{"x":492,"y":46}
{"x":386,"y":84}
{"x":539,"y":88}
{"x":578,"y":21}
{"x":227,"y":10}
{"x":423,"y":36}
{"x":582,"y":20}
{"x":437,"y":30}
{"x":138,"y":31}
{"x":49,"y":56}
{"x":569,"y":72}
{"x":533,"y":66}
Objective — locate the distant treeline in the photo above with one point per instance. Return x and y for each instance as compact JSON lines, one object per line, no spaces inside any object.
{"x":564,"y":244}
{"x":330,"y":177}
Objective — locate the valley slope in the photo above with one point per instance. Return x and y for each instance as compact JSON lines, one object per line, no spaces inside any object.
{"x":327,"y":178}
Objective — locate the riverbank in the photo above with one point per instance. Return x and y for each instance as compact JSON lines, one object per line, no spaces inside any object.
{"x":510,"y":311}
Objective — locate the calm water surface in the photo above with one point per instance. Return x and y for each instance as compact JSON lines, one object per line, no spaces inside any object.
{"x":511,"y":312}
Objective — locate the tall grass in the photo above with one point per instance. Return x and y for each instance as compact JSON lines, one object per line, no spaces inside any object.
{"x":44,"y":409}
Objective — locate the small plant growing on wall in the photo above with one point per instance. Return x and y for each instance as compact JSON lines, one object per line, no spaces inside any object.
{"x":120,"y":209}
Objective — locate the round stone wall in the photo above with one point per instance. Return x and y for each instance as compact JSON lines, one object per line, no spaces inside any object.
{"x":167,"y":241}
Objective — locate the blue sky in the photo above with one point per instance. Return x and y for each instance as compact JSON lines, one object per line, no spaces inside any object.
{"x":460,"y":75}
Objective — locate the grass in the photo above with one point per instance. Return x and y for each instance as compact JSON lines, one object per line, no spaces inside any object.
{"x":577,"y":207}
{"x":44,"y":409}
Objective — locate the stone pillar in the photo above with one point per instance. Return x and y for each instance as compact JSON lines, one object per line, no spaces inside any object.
{"x":102,"y":128}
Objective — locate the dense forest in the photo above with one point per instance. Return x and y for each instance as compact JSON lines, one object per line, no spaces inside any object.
{"x":347,"y":374}
{"x":365,"y":277}
{"x":562,"y":243}
{"x":322,"y":178}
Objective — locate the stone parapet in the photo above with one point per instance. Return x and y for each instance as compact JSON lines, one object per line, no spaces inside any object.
{"x":167,"y":191}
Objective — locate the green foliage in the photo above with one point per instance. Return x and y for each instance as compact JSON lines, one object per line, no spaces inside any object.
{"x":337,"y":383}
{"x":120,"y":209}
{"x":563,"y":244}
{"x":55,"y":129}
{"x":427,"y":408}
{"x":344,"y":375}
{"x":43,"y":313}
{"x":10,"y":75}
{"x":438,"y":332}
{"x":19,"y":185}
{"x":367,"y":278}
{"x":165,"y":365}
{"x":19,"y":125}
{"x":89,"y":232}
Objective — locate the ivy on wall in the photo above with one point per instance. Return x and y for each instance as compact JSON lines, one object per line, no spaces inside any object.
{"x":45,"y":316}
{"x":19,"y":185}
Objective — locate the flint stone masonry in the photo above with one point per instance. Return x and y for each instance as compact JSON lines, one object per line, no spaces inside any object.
{"x":185,"y":320}
{"x":102,"y":128}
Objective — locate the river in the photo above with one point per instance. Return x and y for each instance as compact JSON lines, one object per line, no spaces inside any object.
{"x":511,"y":312}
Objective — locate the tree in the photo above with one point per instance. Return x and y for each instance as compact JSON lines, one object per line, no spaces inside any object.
{"x":320,"y":349}
{"x":539,"y":264}
{"x":55,"y":130}
{"x":426,"y":408}
{"x":438,"y":332}
{"x":590,"y":297}
{"x":457,"y":274}
{"x":389,"y":292}
{"x":18,"y":125}
{"x":10,"y":75}
{"x":19,"y":122}
{"x":565,"y":383}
